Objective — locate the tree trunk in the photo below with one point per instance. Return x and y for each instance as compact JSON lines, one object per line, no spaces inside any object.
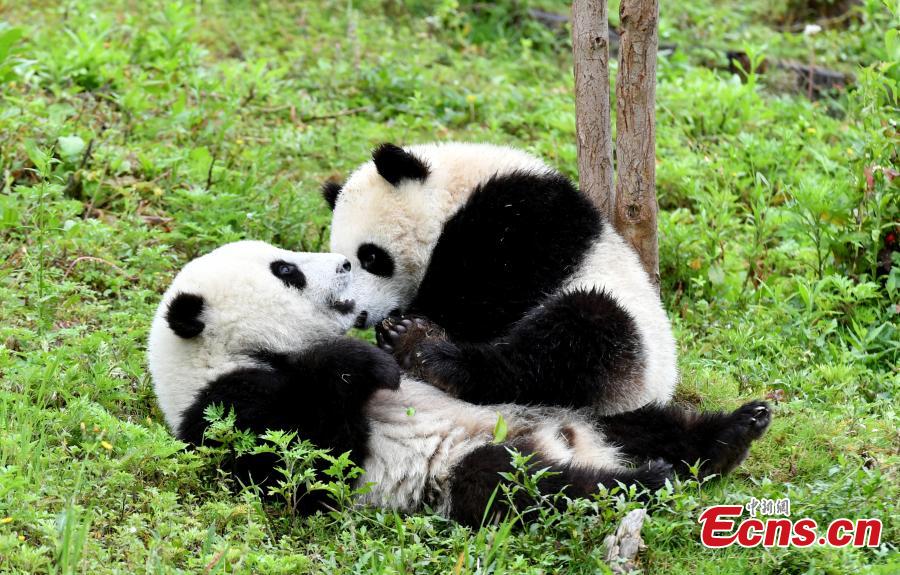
{"x":635,"y":196}
{"x":590,"y":46}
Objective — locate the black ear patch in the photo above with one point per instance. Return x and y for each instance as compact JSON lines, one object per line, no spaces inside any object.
{"x":330,"y":191}
{"x":183,"y":315}
{"x":395,"y":164}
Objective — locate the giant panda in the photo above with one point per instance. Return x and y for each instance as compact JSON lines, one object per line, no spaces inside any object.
{"x":261,"y":331}
{"x":537,"y":298}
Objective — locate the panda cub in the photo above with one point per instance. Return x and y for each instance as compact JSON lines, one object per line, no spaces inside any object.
{"x":260,"y":330}
{"x":530,"y":296}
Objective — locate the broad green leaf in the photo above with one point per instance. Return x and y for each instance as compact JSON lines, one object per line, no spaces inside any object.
{"x":716,"y":274}
{"x":200,"y":159}
{"x":8,"y":37}
{"x":500,"y":429}
{"x":70,"y":147}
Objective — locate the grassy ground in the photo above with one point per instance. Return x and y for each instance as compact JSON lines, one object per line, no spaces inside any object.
{"x":136,"y":135}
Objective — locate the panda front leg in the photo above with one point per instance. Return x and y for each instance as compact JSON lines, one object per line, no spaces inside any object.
{"x":718,"y":441}
{"x":577,"y":349}
{"x":477,"y":477}
{"x":319,"y":394}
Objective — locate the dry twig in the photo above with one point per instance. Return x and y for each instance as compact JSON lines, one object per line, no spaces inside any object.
{"x":623,"y":546}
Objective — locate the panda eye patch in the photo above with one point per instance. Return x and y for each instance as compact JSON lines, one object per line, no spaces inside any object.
{"x":375,"y":260}
{"x":288,"y":273}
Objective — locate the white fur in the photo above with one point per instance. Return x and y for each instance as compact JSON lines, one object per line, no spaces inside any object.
{"x":419,"y":433}
{"x":614,"y":267}
{"x":247,"y":309}
{"x":408,"y":219}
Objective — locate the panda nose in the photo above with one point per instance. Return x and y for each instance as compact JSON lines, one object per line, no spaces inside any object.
{"x":344,"y":267}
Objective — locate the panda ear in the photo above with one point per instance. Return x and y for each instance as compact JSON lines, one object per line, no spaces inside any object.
{"x":183,"y":315}
{"x":395,"y":164}
{"x":330,"y":191}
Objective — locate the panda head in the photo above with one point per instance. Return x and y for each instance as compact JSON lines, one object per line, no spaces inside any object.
{"x":387,"y":216}
{"x":227,"y":306}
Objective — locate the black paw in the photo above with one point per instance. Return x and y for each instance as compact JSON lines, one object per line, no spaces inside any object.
{"x":653,"y":474}
{"x":395,"y":336}
{"x":402,"y":337}
{"x":383,"y":370}
{"x":739,"y":429}
{"x":387,"y":336}
{"x":752,"y":419}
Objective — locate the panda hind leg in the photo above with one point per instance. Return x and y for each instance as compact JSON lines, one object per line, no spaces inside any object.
{"x":477,"y":477}
{"x":718,"y":441}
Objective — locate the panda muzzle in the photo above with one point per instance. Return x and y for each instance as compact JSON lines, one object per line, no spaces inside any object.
{"x":343,"y":306}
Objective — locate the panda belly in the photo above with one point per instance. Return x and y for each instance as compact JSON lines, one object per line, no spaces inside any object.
{"x":613,"y":268}
{"x":419,"y":434}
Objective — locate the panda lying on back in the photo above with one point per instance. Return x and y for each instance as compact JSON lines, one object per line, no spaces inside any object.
{"x":540,"y":300}
{"x":261,"y":330}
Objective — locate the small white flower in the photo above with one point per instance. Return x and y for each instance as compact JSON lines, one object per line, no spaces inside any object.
{"x":811,"y":29}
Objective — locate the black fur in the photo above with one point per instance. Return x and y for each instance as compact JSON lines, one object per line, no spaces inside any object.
{"x":515,"y":241}
{"x":577,"y":349}
{"x":319,"y":393}
{"x":718,"y":441}
{"x":517,"y":237}
{"x":477,"y":476}
{"x":288,"y":273}
{"x":395,"y":164}
{"x":183,"y":315}
{"x":330,"y":191}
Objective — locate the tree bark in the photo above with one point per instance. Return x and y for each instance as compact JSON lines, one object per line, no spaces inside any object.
{"x":590,"y":46}
{"x":635,"y":196}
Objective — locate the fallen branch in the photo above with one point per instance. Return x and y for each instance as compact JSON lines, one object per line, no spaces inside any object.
{"x":86,"y":157}
{"x":209,"y":175}
{"x":214,"y":561}
{"x":350,"y":112}
{"x":557,"y":22}
{"x":813,"y":81}
{"x":80,"y":259}
{"x":157,"y":221}
{"x":549,"y":19}
{"x":623,"y":546}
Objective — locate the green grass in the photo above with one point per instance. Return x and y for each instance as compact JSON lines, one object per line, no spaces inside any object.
{"x":213,"y":121}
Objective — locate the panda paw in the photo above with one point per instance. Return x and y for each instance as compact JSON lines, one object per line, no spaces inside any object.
{"x":402,"y":338}
{"x":739,"y":429}
{"x":358,"y":362}
{"x":654,"y":474}
{"x":385,"y":372}
{"x":751,"y":420}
